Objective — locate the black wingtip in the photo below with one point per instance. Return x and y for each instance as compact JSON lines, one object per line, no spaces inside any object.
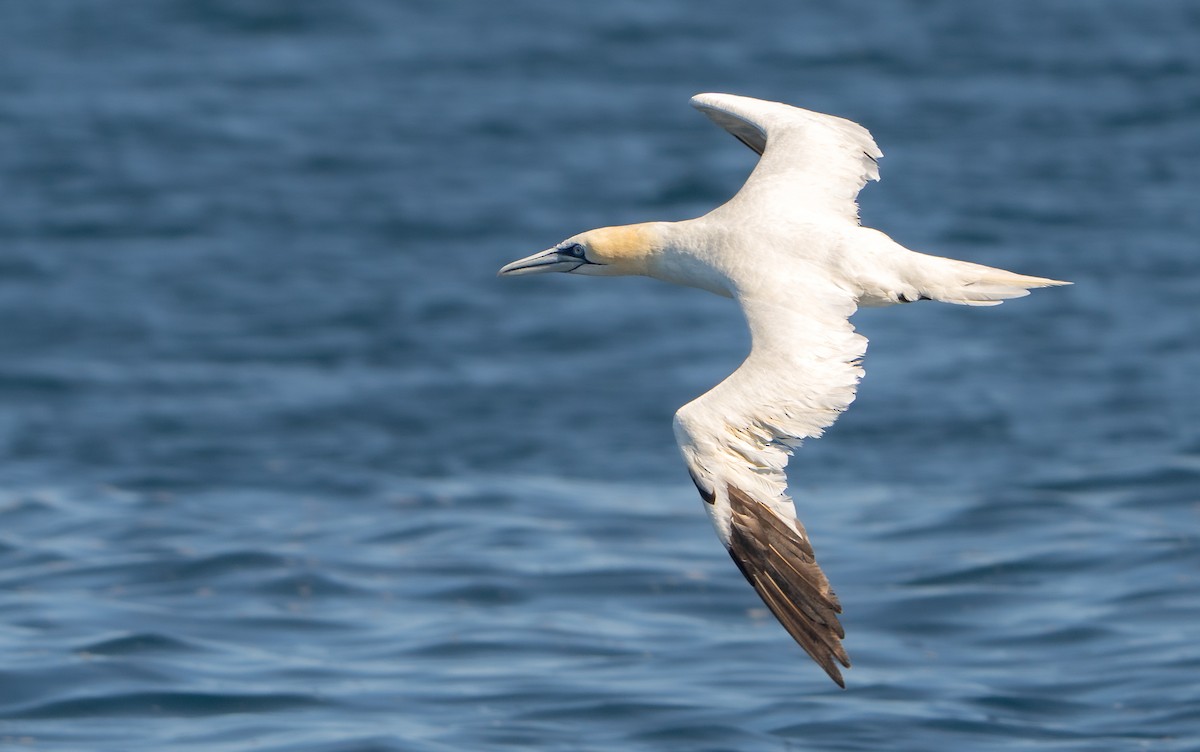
{"x":779,"y":563}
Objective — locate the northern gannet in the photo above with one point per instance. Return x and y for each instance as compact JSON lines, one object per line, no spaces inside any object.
{"x":790,"y":250}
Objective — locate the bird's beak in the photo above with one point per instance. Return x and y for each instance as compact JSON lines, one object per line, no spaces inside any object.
{"x":550,"y":260}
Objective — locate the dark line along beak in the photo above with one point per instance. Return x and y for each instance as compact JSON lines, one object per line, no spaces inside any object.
{"x":551,"y":260}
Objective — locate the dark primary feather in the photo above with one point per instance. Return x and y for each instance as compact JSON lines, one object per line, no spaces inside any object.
{"x":781,"y":566}
{"x":744,"y":130}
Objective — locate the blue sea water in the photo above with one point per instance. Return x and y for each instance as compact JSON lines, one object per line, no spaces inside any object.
{"x":283,"y":466}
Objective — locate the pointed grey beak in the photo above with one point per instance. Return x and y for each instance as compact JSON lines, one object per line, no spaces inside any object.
{"x":550,"y":260}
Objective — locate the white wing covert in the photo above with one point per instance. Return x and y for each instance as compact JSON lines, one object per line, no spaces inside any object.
{"x":810,"y":161}
{"x":800,"y":376}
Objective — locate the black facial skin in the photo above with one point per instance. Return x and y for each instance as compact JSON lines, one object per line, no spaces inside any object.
{"x":574,"y":250}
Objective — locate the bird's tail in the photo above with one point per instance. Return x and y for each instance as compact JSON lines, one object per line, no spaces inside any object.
{"x":964,"y":283}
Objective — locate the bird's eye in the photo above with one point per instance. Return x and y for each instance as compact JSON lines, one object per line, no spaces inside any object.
{"x":574,"y":250}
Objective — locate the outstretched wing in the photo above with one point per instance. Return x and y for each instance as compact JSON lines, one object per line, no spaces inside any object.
{"x":801,"y":374}
{"x":811,"y":161}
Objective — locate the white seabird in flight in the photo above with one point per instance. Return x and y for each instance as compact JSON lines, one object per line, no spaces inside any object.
{"x":789,"y":248}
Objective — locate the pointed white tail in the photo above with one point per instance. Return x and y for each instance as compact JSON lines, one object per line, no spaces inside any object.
{"x":964,"y":283}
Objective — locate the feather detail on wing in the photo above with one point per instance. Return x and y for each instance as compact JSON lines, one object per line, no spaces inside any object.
{"x":780,"y":564}
{"x":801,"y":374}
{"x":811,"y":161}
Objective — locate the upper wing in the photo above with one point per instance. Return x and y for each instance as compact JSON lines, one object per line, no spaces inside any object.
{"x":809,"y":160}
{"x":801,"y":374}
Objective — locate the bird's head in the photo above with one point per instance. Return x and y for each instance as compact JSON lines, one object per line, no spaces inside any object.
{"x":606,"y":252}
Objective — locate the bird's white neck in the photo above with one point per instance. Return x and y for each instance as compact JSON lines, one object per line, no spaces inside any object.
{"x":685,"y":257}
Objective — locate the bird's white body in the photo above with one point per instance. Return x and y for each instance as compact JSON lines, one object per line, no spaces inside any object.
{"x":790,"y":250}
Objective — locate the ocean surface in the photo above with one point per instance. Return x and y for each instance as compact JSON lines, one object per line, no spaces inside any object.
{"x":284,"y":467}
